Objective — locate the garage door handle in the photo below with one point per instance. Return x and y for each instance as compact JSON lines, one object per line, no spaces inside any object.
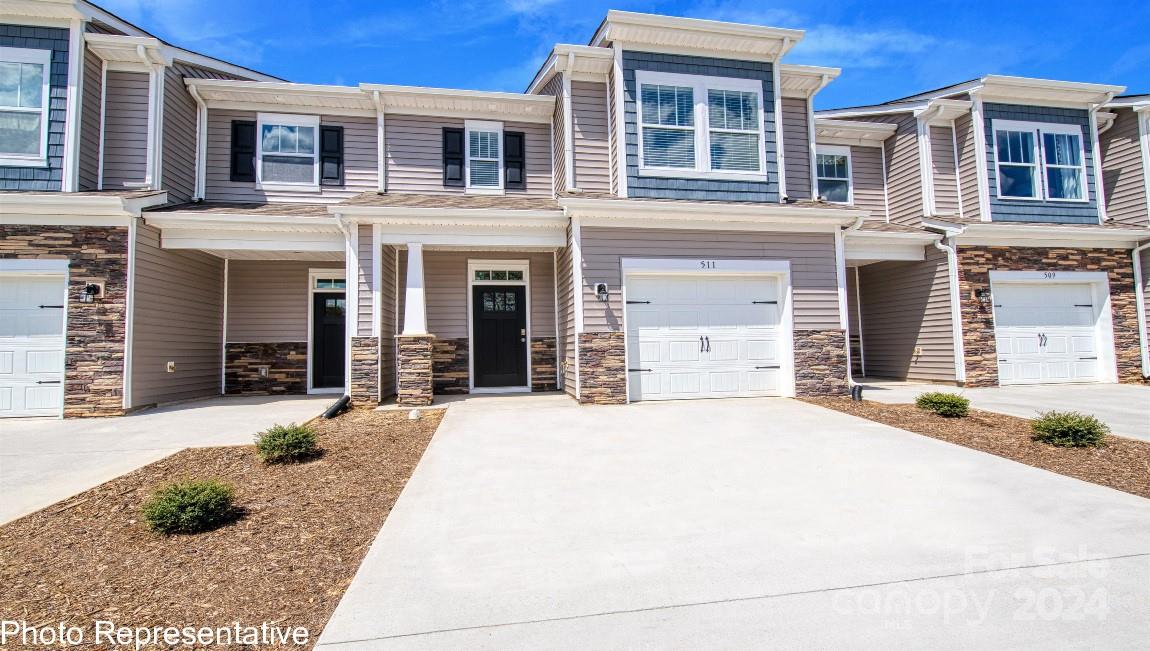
{"x":47,"y":382}
{"x":708,"y":344}
{"x":638,"y":370}
{"x":1086,"y":305}
{"x":51,"y":307}
{"x":1087,"y":358}
{"x":764,"y":302}
{"x":759,"y":368}
{"x":638,"y":302}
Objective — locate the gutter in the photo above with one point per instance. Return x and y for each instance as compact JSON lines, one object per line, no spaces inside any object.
{"x":1140,"y":306}
{"x":201,"y":143}
{"x":841,"y":274}
{"x":947,"y":245}
{"x":1099,"y":189}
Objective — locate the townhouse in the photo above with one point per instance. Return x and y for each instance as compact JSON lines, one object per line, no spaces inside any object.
{"x":660,"y":215}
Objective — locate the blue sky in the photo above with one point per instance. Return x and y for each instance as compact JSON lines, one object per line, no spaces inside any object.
{"x":886,"y":49}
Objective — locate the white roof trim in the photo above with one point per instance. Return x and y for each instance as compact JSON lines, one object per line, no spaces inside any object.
{"x":451,"y":216}
{"x":51,"y":9}
{"x":283,"y":96}
{"x":1003,"y":234}
{"x":694,"y":36}
{"x":191,"y":219}
{"x":848,"y":132}
{"x":79,"y":209}
{"x":127,"y":49}
{"x":1136,"y":102}
{"x":671,"y":211}
{"x":483,"y":105}
{"x":941,"y":112}
{"x":586,"y":63}
{"x":1028,"y":90}
{"x":805,"y":81}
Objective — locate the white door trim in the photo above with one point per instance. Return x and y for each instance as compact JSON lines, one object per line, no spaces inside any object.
{"x":312,"y":275}
{"x":501,"y":265}
{"x":1100,"y":288}
{"x":720,"y":267}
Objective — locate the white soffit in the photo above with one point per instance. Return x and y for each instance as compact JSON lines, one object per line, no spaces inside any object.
{"x":579,"y":62}
{"x":803,"y":82}
{"x":282,"y":96}
{"x":141,"y":50}
{"x":942,"y":112}
{"x":1025,"y":90}
{"x":417,"y":100}
{"x":850,"y":132}
{"x":58,"y":10}
{"x":694,"y":36}
{"x":654,"y":213}
{"x":1006,"y":234}
{"x":87,"y":209}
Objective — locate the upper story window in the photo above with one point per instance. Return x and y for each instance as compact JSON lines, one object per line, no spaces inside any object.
{"x":484,"y":156}
{"x":833,"y":172}
{"x":24,"y":75}
{"x":287,"y":151}
{"x":1040,"y":161}
{"x":706,"y":127}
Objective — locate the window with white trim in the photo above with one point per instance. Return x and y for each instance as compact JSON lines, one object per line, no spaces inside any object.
{"x":484,"y":142}
{"x":286,"y":151}
{"x":1040,"y":161}
{"x":24,"y":95}
{"x":833,"y":172}
{"x":695,"y":126}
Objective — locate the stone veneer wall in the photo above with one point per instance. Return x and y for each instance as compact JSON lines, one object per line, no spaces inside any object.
{"x":414,"y":370}
{"x":820,"y":363}
{"x":364,"y":371}
{"x":543,"y":368}
{"x":602,"y":368}
{"x":96,"y":332}
{"x":450,"y":370}
{"x":287,"y":372}
{"x":974,"y":266}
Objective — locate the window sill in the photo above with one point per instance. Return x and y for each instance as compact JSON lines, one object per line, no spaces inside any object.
{"x":483,"y":191}
{"x":288,"y":187}
{"x":752,"y":177}
{"x":20,"y":161}
{"x":1083,"y":202}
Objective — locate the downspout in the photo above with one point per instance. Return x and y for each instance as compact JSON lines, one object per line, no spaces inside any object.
{"x":381,"y":139}
{"x":776,"y":90}
{"x":1099,"y":189}
{"x":351,"y":298}
{"x":841,"y":274}
{"x":948,"y":246}
{"x":1140,"y":307}
{"x":201,"y":144}
{"x":568,"y":127}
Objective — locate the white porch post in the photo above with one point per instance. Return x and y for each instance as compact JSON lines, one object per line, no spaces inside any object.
{"x":415,"y":305}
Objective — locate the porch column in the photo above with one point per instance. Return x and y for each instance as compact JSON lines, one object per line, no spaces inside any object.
{"x":413,"y":358}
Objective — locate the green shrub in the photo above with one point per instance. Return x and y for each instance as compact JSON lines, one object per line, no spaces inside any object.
{"x":944,"y":404}
{"x":287,"y":444}
{"x":1069,"y":429}
{"x":190,"y":507}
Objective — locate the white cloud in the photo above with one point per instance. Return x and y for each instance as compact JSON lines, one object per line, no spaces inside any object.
{"x":836,"y":45}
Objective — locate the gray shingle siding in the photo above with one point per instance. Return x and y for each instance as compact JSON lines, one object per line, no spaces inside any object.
{"x":698,"y":189}
{"x":42,"y":38}
{"x":1006,"y":210}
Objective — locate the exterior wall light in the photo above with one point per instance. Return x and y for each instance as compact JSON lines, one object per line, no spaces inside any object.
{"x":601,"y":292}
{"x":983,"y":296}
{"x":91,"y":292}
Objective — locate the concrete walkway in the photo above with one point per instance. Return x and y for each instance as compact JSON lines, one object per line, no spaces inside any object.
{"x":534,"y":523}
{"x":1124,"y":407}
{"x":43,"y":461}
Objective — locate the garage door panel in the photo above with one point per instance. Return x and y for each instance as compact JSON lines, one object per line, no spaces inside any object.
{"x":685,"y":383}
{"x":7,"y":362}
{"x":1082,"y":345}
{"x":44,"y":360}
{"x":680,"y":319}
{"x":724,"y":350}
{"x":683,"y":351}
{"x":31,"y":344}
{"x":649,"y":351}
{"x":766,"y":381}
{"x":763,"y":350}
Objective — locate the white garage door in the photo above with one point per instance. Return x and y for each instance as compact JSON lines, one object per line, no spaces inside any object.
{"x":31,"y":345}
{"x":1046,"y":333}
{"x":694,"y":336}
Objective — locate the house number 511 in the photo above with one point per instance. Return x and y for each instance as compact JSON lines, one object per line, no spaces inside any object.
{"x":706,"y":264}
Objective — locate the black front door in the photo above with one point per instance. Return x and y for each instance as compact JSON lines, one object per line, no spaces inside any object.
{"x":327,"y":343}
{"x":500,"y":325}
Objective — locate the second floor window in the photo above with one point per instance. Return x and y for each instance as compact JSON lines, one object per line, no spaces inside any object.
{"x":24,"y":106}
{"x":833,"y":171}
{"x":703,"y":127}
{"x":287,"y":150}
{"x":1039,"y":161}
{"x":484,"y":156}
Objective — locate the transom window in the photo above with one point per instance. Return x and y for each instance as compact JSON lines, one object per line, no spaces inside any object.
{"x":287,"y":150}
{"x":833,"y":172}
{"x":1040,"y":161}
{"x":700,"y":126}
{"x":498,"y":274}
{"x":321,"y":282}
{"x":24,"y":76}
{"x":484,"y":156}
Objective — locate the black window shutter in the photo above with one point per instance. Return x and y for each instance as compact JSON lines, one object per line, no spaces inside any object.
{"x":331,"y":155}
{"x":453,"y":156}
{"x":243,"y":151}
{"x":514,"y":161}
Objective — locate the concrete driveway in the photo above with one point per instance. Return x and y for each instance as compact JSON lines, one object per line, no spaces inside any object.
{"x":1124,"y":407}
{"x":534,"y":523}
{"x":43,"y":461}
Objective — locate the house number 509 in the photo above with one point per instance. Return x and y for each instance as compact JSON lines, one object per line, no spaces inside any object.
{"x":1049,"y":274}
{"x":706,"y":264}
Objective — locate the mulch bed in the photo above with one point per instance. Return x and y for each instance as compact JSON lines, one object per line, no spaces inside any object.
{"x":1121,"y":463}
{"x":287,"y":561}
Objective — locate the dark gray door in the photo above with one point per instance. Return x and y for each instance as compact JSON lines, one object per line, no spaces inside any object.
{"x":499,"y":323}
{"x":328,"y":344}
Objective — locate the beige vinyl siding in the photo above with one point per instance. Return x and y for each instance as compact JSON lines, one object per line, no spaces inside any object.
{"x":126,"y":130}
{"x":812,"y":258}
{"x":1122,"y":171}
{"x":90,"y":122}
{"x":446,"y":287}
{"x":268,"y":300}
{"x":415,"y":155}
{"x":180,"y":125}
{"x":366,"y":281}
{"x":387,"y":322}
{"x":589,"y":136}
{"x":904,"y":182}
{"x":907,"y":305}
{"x":554,"y":88}
{"x":612,"y":132}
{"x":945,"y":170}
{"x":178,"y":304}
{"x":796,"y":147}
{"x":867,"y":177}
{"x":566,"y":339}
{"x":359,"y":159}
{"x":967,"y":166}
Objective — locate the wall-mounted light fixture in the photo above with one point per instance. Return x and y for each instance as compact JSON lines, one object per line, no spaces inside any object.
{"x":601,"y":292}
{"x":92,"y":291}
{"x":983,"y":296}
